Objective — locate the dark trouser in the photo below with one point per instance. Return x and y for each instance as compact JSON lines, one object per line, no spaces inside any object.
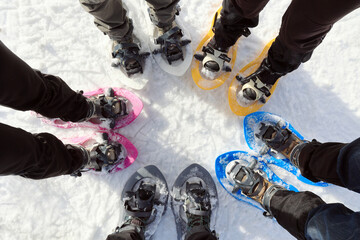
{"x":110,"y":15}
{"x":23,"y":88}
{"x":196,"y":233}
{"x":304,"y":26}
{"x":307,"y":216}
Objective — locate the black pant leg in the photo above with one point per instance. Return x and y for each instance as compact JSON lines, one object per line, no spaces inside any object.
{"x":125,"y":235}
{"x":24,"y":88}
{"x":333,"y":222}
{"x":35,"y":156}
{"x":336,"y":163}
{"x":318,"y":162}
{"x":291,"y":210}
{"x":235,"y":16}
{"x":304,"y":26}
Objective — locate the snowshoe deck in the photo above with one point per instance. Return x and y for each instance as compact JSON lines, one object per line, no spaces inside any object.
{"x":196,"y":66}
{"x":235,"y":86}
{"x":251,"y":126}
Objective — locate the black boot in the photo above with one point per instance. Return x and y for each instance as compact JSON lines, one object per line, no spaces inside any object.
{"x":169,"y":38}
{"x":100,"y":156}
{"x":256,"y":87}
{"x":126,"y":53}
{"x":214,"y":54}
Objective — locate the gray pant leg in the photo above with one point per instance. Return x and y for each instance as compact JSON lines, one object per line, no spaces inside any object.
{"x":162,"y":12}
{"x":110,"y":16}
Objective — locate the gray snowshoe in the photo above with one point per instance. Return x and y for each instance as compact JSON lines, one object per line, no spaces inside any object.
{"x":145,"y":197}
{"x":194,"y":199}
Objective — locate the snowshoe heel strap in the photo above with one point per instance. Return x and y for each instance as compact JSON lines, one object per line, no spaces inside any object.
{"x":269,"y":193}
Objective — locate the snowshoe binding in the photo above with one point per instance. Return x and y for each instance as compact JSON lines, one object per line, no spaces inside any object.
{"x":252,"y":182}
{"x":194,"y":200}
{"x":108,"y":106}
{"x":256,"y":87}
{"x":214,"y":58}
{"x":144,"y":197}
{"x":281,"y":140}
{"x":126,"y":54}
{"x":169,"y":39}
{"x":100,"y":156}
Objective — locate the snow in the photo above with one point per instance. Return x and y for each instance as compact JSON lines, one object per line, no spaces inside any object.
{"x":180,"y":124}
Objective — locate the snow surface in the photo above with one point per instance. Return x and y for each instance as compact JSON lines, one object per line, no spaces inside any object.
{"x":180,"y":124}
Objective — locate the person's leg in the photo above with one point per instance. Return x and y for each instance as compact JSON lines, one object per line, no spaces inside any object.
{"x":110,"y":17}
{"x":236,"y":15}
{"x":332,"y":222}
{"x":36,"y":156}
{"x":23,"y":88}
{"x":304,"y":26}
{"x":162,"y":12}
{"x":336,"y":163}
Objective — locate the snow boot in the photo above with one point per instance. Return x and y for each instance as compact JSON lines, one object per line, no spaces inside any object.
{"x":169,"y":39}
{"x":126,"y":53}
{"x":109,"y":106}
{"x":194,"y":201}
{"x":253,"y":183}
{"x":282,"y":140}
{"x":256,"y":87}
{"x":100,"y":156}
{"x":145,"y":197}
{"x":197,"y":207}
{"x":214,"y":56}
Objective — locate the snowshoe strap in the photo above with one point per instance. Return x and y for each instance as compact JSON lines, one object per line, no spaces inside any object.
{"x":295,"y":153}
{"x":140,"y":203}
{"x":198,"y":202}
{"x":275,"y":137}
{"x":106,"y":154}
{"x":269,"y":193}
{"x":248,"y":181}
{"x":171,"y":44}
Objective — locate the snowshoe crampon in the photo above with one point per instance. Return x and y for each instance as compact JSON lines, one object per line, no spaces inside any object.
{"x":240,"y":105}
{"x":194,"y":176}
{"x":145,"y":196}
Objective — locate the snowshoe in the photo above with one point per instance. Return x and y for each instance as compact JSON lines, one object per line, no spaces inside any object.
{"x":108,"y":106}
{"x":170,"y":43}
{"x":101,"y":156}
{"x":194,"y":200}
{"x":252,"y":182}
{"x":145,"y":197}
{"x":281,"y":140}
{"x":256,"y":87}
